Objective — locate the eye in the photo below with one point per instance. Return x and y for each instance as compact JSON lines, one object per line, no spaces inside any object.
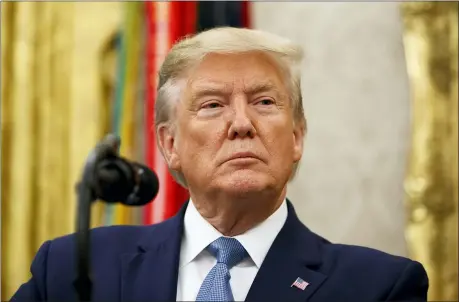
{"x":211,"y":105}
{"x":266,"y":102}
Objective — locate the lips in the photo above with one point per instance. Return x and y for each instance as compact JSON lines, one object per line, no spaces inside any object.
{"x":243,"y":155}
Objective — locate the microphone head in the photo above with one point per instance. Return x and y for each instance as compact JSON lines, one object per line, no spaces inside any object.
{"x":115,"y":181}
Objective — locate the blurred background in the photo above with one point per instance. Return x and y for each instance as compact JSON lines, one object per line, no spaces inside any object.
{"x":380,"y":93}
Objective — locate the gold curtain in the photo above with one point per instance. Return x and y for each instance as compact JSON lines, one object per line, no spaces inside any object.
{"x":431,"y":44}
{"x":35,"y":132}
{"x":53,"y":112}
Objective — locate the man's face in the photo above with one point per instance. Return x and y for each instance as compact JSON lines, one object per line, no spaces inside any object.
{"x":234,"y":126}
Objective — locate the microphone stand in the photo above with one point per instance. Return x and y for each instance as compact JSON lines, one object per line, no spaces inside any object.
{"x":86,"y":196}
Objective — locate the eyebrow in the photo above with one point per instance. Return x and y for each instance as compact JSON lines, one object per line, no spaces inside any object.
{"x":261,"y":87}
{"x":210,"y":89}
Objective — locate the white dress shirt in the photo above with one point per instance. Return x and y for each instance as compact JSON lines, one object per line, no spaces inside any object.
{"x":196,"y":262}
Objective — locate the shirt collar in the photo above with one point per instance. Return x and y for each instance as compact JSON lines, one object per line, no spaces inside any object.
{"x":198,"y":234}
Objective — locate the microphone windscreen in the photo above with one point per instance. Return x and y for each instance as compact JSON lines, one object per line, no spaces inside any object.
{"x":116,"y":179}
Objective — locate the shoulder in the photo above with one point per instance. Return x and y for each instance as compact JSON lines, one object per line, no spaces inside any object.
{"x":105,"y":242}
{"x":120,"y":238}
{"x":363,"y":256}
{"x":365,"y":259}
{"x":375,"y":270}
{"x":57,"y":257}
{"x":354,"y":256}
{"x":108,"y":243}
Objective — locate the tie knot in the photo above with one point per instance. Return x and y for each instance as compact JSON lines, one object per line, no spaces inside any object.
{"x":228,"y":251}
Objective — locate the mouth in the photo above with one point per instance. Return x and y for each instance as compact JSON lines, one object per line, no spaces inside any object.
{"x":243,"y":156}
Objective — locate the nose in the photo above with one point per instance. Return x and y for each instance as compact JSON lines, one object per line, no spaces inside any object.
{"x":241,"y":123}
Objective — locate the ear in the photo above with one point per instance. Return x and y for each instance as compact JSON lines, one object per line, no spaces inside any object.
{"x":167,"y":141}
{"x":299,"y":133}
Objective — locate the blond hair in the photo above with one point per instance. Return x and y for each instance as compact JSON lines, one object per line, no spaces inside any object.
{"x":191,"y":50}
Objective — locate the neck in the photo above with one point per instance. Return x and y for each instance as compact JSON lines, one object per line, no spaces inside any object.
{"x":234,"y":216}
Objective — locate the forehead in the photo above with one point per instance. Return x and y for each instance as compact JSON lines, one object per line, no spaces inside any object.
{"x":253,"y":70}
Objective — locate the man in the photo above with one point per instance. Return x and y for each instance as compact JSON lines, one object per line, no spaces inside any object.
{"x":230,"y":125}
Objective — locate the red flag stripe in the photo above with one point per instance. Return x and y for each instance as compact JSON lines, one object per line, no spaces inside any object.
{"x":164,"y":19}
{"x":182,"y":22}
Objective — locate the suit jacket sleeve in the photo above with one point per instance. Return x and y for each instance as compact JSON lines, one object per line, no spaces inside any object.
{"x":412,"y":284}
{"x":35,"y":288}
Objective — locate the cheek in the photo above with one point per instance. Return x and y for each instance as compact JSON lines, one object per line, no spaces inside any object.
{"x":199,"y":141}
{"x":279,"y":141}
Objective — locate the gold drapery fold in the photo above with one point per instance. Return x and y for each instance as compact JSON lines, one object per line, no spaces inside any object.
{"x":54,"y":48}
{"x":53,"y":113}
{"x":431,"y":44}
{"x":36,"y":203}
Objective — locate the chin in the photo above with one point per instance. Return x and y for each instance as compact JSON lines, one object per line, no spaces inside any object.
{"x":245,"y":182}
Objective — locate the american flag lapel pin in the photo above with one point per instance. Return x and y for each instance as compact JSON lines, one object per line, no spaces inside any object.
{"x":300,"y":283}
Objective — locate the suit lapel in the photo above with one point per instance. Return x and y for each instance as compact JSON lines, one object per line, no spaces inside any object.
{"x":295,"y":253}
{"x":151,"y":273}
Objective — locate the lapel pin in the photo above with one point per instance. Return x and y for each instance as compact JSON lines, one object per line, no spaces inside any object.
{"x":300,"y":283}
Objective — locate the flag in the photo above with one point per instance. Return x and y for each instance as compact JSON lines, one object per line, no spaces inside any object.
{"x":166,"y":23}
{"x":124,"y":103}
{"x":300,"y":283}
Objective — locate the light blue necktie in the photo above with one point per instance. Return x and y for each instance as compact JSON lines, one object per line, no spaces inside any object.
{"x":216,"y":286}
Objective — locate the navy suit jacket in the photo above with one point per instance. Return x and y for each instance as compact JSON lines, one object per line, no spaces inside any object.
{"x":140,"y":263}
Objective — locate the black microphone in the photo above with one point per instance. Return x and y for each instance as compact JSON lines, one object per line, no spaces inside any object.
{"x":108,"y":177}
{"x":130,"y":183}
{"x":117,"y":179}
